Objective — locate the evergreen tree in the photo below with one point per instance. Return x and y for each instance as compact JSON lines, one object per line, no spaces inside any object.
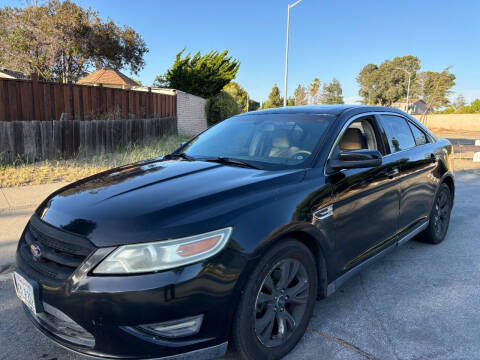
{"x":434,"y":87}
{"x":238,"y":93}
{"x":332,"y":93}
{"x":388,"y":82}
{"x":201,"y":75}
{"x":459,"y":101}
{"x":274,"y":99}
{"x":301,"y":95}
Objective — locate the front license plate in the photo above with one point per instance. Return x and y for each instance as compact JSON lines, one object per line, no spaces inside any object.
{"x":25,"y":291}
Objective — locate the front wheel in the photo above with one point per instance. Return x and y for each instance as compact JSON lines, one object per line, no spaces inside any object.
{"x":277,"y":303}
{"x":439,"y":217}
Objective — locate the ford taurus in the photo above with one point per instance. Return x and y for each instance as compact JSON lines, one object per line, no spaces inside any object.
{"x":232,"y":237}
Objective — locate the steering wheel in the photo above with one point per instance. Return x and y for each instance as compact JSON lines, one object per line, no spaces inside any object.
{"x":296,"y":154}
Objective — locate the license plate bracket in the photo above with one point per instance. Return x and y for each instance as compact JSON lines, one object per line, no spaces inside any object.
{"x":28,"y":291}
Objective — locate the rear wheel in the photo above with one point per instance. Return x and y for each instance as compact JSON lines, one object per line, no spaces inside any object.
{"x":439,"y":217}
{"x":277,"y":303}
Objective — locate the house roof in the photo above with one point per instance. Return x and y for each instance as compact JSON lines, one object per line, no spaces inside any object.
{"x":13,"y":74}
{"x":410,"y":101}
{"x":107,"y":76}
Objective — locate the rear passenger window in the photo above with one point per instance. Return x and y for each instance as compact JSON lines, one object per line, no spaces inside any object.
{"x":419,"y":135}
{"x":398,"y":132}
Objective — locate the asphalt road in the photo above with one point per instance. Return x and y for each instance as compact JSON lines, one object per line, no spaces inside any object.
{"x":419,"y":302}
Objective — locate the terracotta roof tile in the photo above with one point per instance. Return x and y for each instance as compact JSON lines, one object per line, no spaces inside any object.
{"x":107,"y":76}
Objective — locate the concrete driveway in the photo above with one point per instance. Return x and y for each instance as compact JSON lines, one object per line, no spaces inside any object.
{"x":419,"y":302}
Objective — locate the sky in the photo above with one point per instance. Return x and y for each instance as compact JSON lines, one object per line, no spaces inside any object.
{"x":327,"y":38}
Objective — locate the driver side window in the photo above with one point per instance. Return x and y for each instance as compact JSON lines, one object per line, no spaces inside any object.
{"x":359,"y":135}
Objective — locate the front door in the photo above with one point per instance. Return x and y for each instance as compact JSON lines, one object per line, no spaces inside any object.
{"x":366,"y":201}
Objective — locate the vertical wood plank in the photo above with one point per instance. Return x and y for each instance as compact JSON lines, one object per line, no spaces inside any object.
{"x":36,"y":97}
{"x":3,"y":101}
{"x":66,"y":101}
{"x":124,"y":110}
{"x":12,"y":100}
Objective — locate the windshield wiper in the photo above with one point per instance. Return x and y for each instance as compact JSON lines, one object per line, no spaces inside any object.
{"x":179,"y":155}
{"x":230,"y":161}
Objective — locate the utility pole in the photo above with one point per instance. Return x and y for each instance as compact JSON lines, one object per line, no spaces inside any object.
{"x":285,"y":82}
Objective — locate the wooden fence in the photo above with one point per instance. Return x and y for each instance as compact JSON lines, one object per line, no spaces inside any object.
{"x":40,"y":140}
{"x":26,"y":100}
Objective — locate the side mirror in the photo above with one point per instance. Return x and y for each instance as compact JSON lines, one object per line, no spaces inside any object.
{"x":355,"y":159}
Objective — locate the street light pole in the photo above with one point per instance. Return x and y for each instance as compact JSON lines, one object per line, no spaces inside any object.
{"x":408,"y":87}
{"x":285,"y":81}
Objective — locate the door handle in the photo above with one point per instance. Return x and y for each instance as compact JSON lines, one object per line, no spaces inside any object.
{"x":393,"y":172}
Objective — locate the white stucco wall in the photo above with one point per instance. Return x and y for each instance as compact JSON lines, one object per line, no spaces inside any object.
{"x":191,"y":116}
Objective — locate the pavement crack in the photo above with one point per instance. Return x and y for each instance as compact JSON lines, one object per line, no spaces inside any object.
{"x":377,"y":316}
{"x":344,"y":343}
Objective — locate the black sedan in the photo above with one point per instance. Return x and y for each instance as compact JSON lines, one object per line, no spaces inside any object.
{"x":233,"y":237}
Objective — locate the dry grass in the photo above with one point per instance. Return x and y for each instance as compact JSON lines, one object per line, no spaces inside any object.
{"x":80,"y":167}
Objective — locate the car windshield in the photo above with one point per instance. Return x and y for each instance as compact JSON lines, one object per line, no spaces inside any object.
{"x":268,"y":141}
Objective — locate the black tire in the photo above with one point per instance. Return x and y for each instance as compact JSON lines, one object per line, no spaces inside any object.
{"x":439,"y":217}
{"x":258,"y":302}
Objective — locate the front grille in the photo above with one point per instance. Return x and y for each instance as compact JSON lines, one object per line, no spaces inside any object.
{"x":60,"y":252}
{"x":60,"y":325}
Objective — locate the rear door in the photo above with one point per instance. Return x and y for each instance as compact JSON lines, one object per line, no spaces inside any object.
{"x":416,"y":163}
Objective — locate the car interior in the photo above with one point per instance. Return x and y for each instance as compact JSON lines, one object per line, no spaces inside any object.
{"x":289,"y":142}
{"x":359,"y":135}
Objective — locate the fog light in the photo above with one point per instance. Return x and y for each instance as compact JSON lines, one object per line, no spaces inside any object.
{"x":174,"y":329}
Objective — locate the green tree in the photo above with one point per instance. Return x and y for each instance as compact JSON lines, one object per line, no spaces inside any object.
{"x":291,"y":101}
{"x":332,"y":93}
{"x":238,"y":93}
{"x":313,"y":90}
{"x":62,"y":41}
{"x":202,"y":75}
{"x":274,"y":99}
{"x":459,"y":101}
{"x":301,"y":95}
{"x":473,"y":108}
{"x":221,"y":107}
{"x":435,"y":87}
{"x":388,"y":82}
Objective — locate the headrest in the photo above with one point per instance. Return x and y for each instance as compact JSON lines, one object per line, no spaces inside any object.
{"x":280,"y":141}
{"x":352,"y":139}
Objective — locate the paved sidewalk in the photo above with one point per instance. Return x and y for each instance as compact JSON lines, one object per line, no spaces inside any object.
{"x":16,"y":206}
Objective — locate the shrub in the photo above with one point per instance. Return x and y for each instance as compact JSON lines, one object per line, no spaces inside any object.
{"x":221,"y":107}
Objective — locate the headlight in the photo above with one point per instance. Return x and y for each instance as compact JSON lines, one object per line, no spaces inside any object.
{"x":161,"y":255}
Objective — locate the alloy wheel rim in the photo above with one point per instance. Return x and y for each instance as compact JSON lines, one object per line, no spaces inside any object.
{"x":442,"y":207}
{"x":281,"y":302}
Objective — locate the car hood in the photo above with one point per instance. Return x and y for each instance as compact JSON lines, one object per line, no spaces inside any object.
{"x":159,"y":199}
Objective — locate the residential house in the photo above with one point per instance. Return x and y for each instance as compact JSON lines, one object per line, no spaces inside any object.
{"x":10,"y":74}
{"x":416,"y":106}
{"x":108,"y":78}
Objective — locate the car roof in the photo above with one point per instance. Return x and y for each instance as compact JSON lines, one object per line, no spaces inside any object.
{"x":322,"y":109}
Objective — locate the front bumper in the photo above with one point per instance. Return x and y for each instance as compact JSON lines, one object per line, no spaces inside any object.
{"x":107,"y":308}
{"x":206,"y":353}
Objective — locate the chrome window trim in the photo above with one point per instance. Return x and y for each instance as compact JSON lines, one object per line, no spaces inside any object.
{"x":342,"y":131}
{"x":355,"y":117}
